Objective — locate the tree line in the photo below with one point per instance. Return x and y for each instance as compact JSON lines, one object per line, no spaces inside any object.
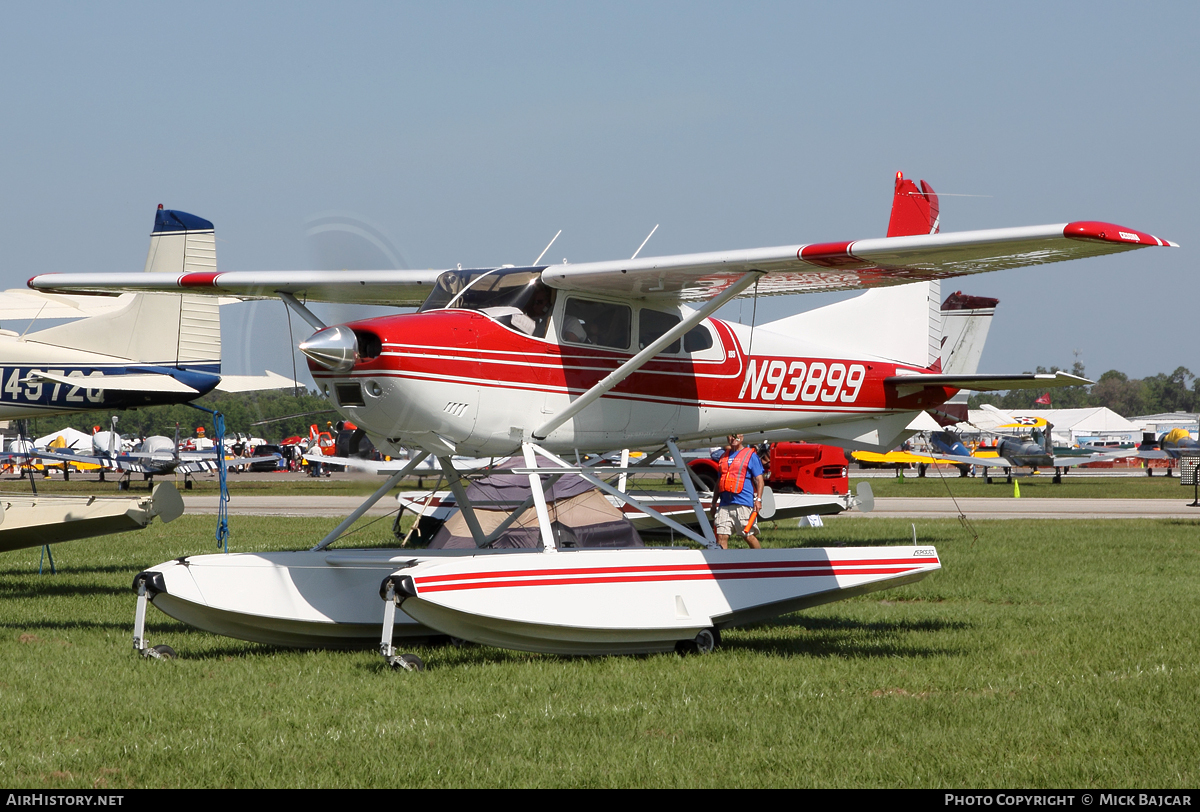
{"x":245,"y":412}
{"x":1178,"y":391}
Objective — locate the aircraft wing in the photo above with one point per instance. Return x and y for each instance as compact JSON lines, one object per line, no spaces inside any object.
{"x":256,"y":383}
{"x":808,"y":268}
{"x":896,"y":458}
{"x":392,"y":466}
{"x":986,"y":383}
{"x":111,"y":463}
{"x":195,"y":466}
{"x":1071,"y":461}
{"x":401,"y":288}
{"x":849,"y":265}
{"x":986,"y":462}
{"x":147,"y":382}
{"x":358,"y":464}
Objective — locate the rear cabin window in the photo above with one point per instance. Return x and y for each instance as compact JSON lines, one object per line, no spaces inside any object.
{"x":598,"y":323}
{"x":653,"y":323}
{"x":696,"y":339}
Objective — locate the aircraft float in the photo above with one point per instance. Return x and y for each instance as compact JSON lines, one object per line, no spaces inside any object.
{"x":547,"y":361}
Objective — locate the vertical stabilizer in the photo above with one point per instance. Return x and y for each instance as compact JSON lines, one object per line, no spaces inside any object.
{"x":914,"y":211}
{"x":965,"y":323}
{"x":158,"y":328}
{"x":181,"y":243}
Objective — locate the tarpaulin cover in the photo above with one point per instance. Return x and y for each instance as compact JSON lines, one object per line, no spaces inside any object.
{"x":580,"y":516}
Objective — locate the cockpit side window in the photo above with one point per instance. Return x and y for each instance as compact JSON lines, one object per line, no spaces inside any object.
{"x":602,"y":324}
{"x":526,"y":310}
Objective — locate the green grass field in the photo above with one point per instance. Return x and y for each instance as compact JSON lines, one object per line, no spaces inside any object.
{"x":1046,"y":654}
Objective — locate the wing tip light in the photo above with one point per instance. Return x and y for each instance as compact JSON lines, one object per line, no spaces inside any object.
{"x":1110,"y":232}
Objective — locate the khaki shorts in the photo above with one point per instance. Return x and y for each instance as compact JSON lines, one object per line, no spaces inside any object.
{"x":731,"y":520}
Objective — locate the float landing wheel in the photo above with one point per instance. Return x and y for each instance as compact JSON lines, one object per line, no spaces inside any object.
{"x":406,"y":662}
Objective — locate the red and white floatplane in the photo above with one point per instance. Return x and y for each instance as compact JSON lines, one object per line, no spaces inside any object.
{"x":587,"y":357}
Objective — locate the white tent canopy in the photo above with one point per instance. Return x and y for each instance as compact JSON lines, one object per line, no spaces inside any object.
{"x":1070,"y":426}
{"x":74,"y":439}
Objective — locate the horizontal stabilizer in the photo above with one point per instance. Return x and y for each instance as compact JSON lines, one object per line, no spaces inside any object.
{"x":255,"y":383}
{"x":986,"y":383}
{"x":18,"y":305}
{"x":118,"y":383}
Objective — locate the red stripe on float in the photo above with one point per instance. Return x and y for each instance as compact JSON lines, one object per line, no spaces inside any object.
{"x":628,"y":579}
{"x":669,"y":568}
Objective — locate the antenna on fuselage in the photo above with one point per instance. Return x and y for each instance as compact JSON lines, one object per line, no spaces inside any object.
{"x":547,"y":248}
{"x":643,"y":245}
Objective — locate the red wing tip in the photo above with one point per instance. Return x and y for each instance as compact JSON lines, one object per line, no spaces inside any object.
{"x":1111,"y":232}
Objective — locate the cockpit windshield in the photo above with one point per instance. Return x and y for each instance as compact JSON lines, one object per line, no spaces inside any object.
{"x":448,"y":286}
{"x":516,"y":297}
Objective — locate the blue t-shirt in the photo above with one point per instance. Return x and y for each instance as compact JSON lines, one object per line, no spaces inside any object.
{"x":746,"y":497}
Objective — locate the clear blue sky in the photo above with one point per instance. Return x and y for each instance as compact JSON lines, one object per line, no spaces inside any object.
{"x":472,"y":132}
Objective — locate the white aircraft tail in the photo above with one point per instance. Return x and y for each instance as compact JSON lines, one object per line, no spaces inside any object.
{"x":901,"y":323}
{"x":178,"y":330}
{"x":965,"y":324}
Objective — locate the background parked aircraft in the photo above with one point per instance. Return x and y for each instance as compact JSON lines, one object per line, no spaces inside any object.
{"x":137,"y":350}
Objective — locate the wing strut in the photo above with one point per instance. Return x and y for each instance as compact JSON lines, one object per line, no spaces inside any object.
{"x":301,"y":311}
{"x":589,"y":474}
{"x":371,"y":500}
{"x":464,"y":505}
{"x":638,"y":361}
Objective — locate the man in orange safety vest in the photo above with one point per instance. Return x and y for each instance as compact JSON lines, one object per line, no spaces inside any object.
{"x":738,"y":495}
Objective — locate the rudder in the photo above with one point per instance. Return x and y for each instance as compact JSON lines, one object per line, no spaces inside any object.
{"x":162,"y":329}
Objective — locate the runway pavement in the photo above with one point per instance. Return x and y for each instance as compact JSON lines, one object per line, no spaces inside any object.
{"x":1002,"y":508}
{"x":895,"y":507}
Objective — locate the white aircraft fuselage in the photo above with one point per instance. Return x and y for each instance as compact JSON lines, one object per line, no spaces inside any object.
{"x":23,"y":394}
{"x":463,"y":378}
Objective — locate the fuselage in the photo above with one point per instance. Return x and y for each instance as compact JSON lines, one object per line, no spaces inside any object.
{"x":469,"y":380}
{"x":22,"y":397}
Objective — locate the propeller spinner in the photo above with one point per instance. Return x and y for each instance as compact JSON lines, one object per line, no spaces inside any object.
{"x":335,"y":348}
